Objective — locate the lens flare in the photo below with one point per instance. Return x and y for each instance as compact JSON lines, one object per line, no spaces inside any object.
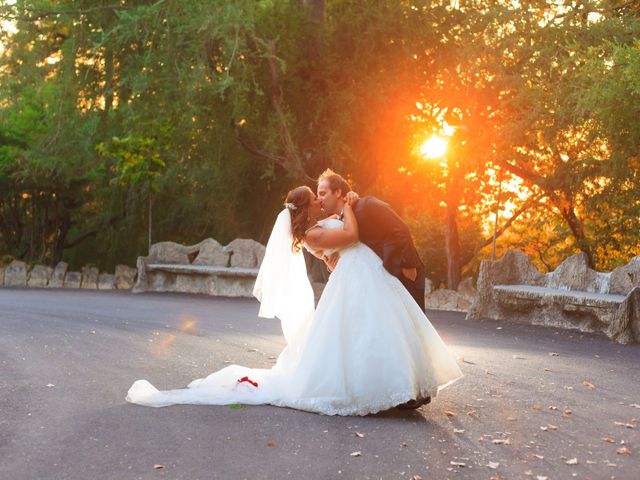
{"x":163,"y":345}
{"x":434,"y":147}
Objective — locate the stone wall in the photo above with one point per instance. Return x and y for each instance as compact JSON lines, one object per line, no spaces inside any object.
{"x":19,"y":274}
{"x":459,"y":300}
{"x":573,"y":296}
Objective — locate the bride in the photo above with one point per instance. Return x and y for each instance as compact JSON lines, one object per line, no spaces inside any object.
{"x":367,"y":346}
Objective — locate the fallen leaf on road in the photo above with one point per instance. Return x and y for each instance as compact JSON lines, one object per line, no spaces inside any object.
{"x":271,"y":443}
{"x":458,"y":464}
{"x":455,"y":430}
{"x":553,"y":354}
{"x":535,"y":455}
{"x":552,"y":427}
{"x":448,"y":413}
{"x":567,"y":413}
{"x":356,"y":454}
{"x":471,"y":413}
{"x":501,"y":441}
{"x":588,"y":384}
{"x":622,"y":424}
{"x":553,"y":408}
{"x":359,"y":435}
{"x":416,"y":477}
{"x":572,"y":461}
{"x":158,"y":466}
{"x":544,"y":428}
{"x":536,"y":407}
{"x":634,"y":405}
{"x":403,"y":444}
{"x":547,"y":369}
{"x":623,"y":451}
{"x":493,"y":465}
{"x":608,"y":440}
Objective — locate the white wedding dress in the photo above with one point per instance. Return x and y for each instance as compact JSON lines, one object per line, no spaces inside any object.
{"x":367,"y":347}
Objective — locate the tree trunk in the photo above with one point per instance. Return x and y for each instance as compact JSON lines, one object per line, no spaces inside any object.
{"x":577,"y":229}
{"x":61,"y":237}
{"x":150,"y":218}
{"x":315,"y":14}
{"x":108,"y":89}
{"x":454,"y":265}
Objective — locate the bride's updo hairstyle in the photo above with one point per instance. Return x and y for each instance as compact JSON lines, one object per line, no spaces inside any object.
{"x":298,"y":201}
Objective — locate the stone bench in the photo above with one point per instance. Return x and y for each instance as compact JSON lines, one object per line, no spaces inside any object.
{"x":573,"y":296}
{"x":228,"y":271}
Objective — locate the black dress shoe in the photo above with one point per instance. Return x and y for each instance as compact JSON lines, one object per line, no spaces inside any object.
{"x":413,"y":404}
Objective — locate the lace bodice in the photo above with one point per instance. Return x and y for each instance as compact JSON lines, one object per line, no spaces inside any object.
{"x":331,"y":223}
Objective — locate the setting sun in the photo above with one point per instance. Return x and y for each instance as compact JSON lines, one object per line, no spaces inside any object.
{"x":434,"y":147}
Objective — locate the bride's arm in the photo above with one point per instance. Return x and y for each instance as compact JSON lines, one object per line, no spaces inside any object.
{"x":327,"y":238}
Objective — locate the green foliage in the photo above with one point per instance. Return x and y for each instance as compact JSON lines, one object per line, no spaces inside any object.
{"x":214,"y":109}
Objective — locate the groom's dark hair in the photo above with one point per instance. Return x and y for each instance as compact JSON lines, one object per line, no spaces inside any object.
{"x":335,"y":181}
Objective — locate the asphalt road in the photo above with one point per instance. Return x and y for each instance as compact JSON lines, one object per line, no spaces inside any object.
{"x":535,"y":402}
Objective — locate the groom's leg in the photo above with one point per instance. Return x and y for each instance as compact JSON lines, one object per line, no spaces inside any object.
{"x":418,"y":296}
{"x":414,"y":287}
{"x":416,"y":292}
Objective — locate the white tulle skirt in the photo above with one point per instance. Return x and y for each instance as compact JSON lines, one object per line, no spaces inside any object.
{"x":368,"y":348}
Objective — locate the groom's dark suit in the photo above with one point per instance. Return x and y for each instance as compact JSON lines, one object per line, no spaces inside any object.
{"x":382,"y":230}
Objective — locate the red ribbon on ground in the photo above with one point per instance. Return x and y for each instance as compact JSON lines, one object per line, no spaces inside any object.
{"x":248,"y":380}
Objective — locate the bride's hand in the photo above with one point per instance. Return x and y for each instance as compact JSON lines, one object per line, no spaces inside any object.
{"x":351,"y":198}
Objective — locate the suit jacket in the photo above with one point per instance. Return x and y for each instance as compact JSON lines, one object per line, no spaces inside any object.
{"x":382,"y":230}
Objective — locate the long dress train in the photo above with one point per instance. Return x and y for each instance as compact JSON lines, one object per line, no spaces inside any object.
{"x":368,"y":347}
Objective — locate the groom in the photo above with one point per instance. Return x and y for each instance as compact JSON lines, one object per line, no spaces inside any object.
{"x":381,"y":229}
